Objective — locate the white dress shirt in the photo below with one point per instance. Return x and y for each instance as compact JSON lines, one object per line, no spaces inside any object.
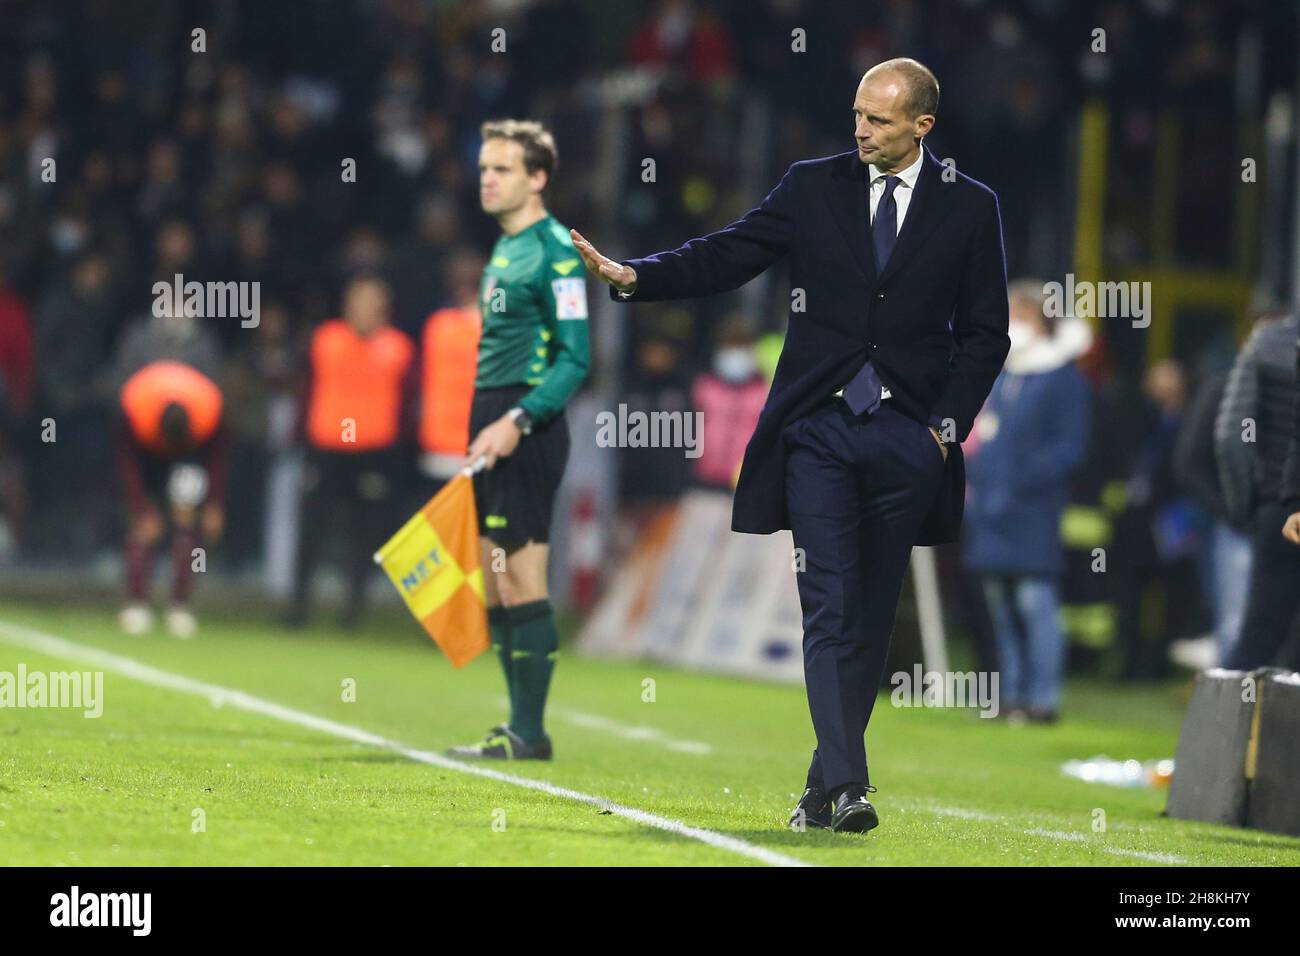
{"x":902,"y":192}
{"x":902,"y":200}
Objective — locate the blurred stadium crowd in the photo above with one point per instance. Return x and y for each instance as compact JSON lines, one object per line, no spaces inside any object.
{"x":225,"y":165}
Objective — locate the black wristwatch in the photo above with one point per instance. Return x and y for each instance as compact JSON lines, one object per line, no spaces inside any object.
{"x":523,"y":421}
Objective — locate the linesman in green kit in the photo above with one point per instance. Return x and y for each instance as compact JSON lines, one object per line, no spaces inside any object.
{"x":533,"y":355}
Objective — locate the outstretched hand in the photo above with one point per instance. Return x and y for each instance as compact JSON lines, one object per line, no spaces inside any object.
{"x":621,"y":277}
{"x":1291,"y":530}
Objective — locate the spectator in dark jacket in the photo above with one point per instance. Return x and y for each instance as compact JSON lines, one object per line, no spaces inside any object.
{"x":1157,"y":539}
{"x":1026,"y":441}
{"x":1227,"y":562}
{"x":170,"y":334}
{"x":1251,"y":437}
{"x":74,"y":324}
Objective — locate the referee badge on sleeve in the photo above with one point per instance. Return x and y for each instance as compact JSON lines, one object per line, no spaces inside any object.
{"x":570,"y":298}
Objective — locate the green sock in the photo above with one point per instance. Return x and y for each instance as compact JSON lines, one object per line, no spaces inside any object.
{"x":533,"y":659}
{"x":502,"y":636}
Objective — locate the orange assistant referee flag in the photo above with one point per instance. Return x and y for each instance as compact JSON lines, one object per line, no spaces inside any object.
{"x":433,"y":563}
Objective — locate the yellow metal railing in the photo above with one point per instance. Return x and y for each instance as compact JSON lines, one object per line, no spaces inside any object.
{"x":1172,"y":286}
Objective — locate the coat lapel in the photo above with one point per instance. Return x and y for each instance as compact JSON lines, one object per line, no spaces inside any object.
{"x":851,"y":209}
{"x":923,"y":214}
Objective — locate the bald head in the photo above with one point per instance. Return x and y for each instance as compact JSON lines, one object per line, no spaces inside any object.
{"x":919,"y":87}
{"x":893,"y":111}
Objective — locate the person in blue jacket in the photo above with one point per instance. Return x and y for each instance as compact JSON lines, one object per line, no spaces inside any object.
{"x":1026,"y":441}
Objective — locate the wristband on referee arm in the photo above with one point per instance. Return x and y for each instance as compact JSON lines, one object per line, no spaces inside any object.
{"x":523,"y":421}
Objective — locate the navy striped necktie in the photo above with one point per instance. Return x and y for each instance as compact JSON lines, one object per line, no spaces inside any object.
{"x":862,"y":394}
{"x":884,"y":230}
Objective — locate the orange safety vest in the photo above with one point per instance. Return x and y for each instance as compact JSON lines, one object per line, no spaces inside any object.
{"x":450,"y":360}
{"x":356,"y":391}
{"x":149,"y":391}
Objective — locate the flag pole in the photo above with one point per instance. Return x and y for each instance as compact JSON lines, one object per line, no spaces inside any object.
{"x":469,"y":471}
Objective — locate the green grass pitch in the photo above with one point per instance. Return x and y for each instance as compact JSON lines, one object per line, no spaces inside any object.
{"x":726,"y":756}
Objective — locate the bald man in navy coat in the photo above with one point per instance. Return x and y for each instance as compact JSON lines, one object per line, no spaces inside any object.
{"x":892,"y":348}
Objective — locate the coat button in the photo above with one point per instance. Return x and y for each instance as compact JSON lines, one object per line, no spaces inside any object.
{"x":880,"y":295}
{"x":873,"y":345}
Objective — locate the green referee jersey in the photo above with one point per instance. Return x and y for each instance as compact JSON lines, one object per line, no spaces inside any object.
{"x":534,"y":303}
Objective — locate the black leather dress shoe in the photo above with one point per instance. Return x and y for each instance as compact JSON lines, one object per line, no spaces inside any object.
{"x":812,"y":811}
{"x":853,"y":812}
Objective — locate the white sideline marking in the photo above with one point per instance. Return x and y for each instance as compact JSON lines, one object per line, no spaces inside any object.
{"x":630,"y":732}
{"x":59,"y":647}
{"x":1113,"y":850}
{"x":638,"y":732}
{"x":963,"y":814}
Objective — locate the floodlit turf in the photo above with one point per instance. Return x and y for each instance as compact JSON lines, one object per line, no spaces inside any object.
{"x":718,"y":754}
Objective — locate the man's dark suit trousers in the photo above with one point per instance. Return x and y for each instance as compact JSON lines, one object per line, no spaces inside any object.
{"x":857,"y":489}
